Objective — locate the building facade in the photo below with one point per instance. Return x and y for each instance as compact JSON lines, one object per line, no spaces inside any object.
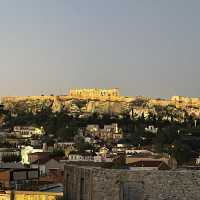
{"x":109,"y":132}
{"x":27,"y":131}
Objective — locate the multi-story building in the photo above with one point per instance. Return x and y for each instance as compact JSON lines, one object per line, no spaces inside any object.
{"x":27,"y":131}
{"x":74,"y":157}
{"x":109,"y":132}
{"x":4,"y":152}
{"x":64,"y":145}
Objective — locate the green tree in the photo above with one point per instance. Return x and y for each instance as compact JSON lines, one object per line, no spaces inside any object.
{"x":57,"y":153}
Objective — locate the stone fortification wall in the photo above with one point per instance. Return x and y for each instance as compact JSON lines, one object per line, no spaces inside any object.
{"x":178,"y":101}
{"x":160,"y":102}
{"x":104,"y":95}
{"x":88,"y":94}
{"x":90,"y":183}
{"x":16,"y":99}
{"x":26,"y":98}
{"x":185,"y":100}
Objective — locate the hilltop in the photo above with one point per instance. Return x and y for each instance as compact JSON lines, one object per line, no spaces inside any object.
{"x":86,"y":101}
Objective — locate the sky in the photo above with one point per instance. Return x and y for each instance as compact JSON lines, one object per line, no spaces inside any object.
{"x":143,"y":47}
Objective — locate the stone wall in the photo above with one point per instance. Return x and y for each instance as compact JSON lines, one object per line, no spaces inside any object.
{"x":186,"y":100}
{"x":89,"y":183}
{"x":26,"y":98}
{"x":104,"y":95}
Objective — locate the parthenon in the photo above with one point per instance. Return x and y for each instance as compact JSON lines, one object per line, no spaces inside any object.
{"x":95,"y":93}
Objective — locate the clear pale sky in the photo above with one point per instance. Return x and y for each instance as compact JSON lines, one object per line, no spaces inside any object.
{"x":144,"y":47}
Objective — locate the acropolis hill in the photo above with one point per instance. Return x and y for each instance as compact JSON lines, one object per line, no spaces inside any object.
{"x":90,"y":94}
{"x":101,"y":100}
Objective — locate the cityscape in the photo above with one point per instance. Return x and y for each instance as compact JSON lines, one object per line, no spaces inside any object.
{"x":97,"y":136}
{"x":99,"y":100}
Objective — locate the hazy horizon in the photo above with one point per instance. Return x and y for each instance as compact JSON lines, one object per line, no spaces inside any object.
{"x":148,"y":48}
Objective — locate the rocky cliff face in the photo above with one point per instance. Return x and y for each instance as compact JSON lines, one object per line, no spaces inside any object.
{"x":72,"y":105}
{"x":136,"y":105}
